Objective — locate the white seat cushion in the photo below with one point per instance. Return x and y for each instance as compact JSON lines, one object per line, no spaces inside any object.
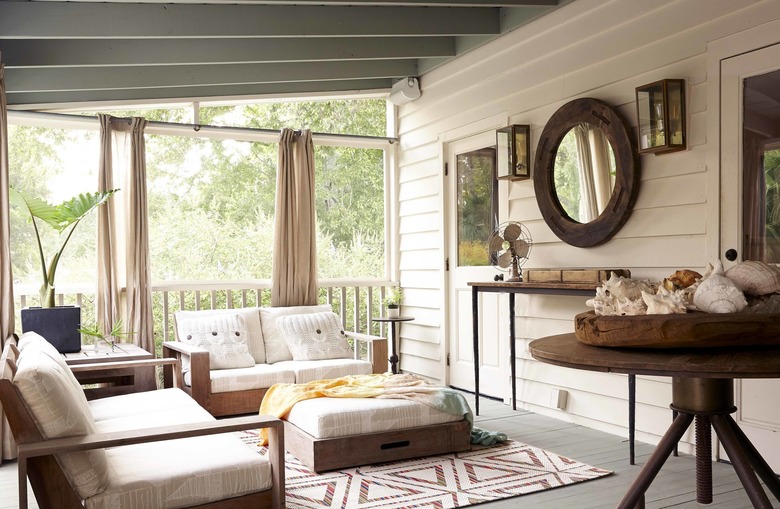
{"x":61,"y":410}
{"x":181,"y":473}
{"x":307,"y":371}
{"x":341,"y":417}
{"x":260,"y":376}
{"x":139,"y":403}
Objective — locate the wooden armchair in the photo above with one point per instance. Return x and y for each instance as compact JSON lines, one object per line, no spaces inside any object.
{"x":37,"y":456}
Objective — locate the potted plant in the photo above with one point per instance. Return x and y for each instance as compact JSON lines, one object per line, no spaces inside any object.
{"x":392,"y":301}
{"x":96,"y":332}
{"x":59,"y":325}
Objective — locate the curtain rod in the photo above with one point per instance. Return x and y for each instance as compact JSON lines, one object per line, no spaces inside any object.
{"x":198,"y":128}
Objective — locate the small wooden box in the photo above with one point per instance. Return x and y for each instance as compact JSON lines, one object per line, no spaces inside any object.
{"x":595,"y":276}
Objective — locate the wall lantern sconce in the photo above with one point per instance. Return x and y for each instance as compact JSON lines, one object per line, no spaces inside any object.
{"x":661,"y":113}
{"x":513,"y":149}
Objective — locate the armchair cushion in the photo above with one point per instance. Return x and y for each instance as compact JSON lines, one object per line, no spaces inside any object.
{"x":251,"y":318}
{"x":314,"y":336}
{"x":275,"y":347}
{"x":61,"y":410}
{"x":224,"y":336}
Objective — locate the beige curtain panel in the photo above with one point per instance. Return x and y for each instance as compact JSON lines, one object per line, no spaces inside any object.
{"x":7,"y":445}
{"x":294,"y":278}
{"x":107,"y":305}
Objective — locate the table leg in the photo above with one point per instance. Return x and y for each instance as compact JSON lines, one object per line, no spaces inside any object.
{"x":740,"y":462}
{"x":703,"y":460}
{"x":760,"y":465}
{"x":475,"y":324}
{"x":673,"y":435}
{"x":631,"y":417}
{"x":394,"y":355}
{"x":512,"y":349}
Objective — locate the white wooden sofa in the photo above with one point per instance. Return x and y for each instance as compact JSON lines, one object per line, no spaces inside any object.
{"x":156,"y":449}
{"x":230,"y":357}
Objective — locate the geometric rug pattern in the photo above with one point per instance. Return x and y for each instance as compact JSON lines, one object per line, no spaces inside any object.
{"x":500,"y":471}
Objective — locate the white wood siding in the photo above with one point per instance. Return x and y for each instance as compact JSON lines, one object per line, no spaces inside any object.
{"x":588,"y":48}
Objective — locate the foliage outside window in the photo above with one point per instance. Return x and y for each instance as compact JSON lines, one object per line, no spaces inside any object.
{"x":772,"y":231}
{"x":477,"y":213}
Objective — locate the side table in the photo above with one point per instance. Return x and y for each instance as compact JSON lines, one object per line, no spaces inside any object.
{"x":112,"y":382}
{"x":393,"y":320}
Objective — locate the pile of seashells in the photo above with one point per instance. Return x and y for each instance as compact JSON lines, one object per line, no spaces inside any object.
{"x":717,"y":291}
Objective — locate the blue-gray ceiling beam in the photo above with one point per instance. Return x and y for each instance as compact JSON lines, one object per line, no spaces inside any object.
{"x":118,"y":52}
{"x":20,"y":20}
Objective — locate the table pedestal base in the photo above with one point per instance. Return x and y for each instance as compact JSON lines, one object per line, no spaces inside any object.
{"x":709,"y":401}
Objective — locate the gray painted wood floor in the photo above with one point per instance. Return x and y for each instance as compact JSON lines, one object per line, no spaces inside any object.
{"x":673,"y":488}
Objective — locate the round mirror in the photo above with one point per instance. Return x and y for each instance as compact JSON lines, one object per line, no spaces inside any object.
{"x":587,"y":172}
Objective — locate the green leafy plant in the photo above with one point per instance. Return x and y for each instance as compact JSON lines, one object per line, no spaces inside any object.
{"x":393,"y":297}
{"x":95,"y":331}
{"x":63,"y":217}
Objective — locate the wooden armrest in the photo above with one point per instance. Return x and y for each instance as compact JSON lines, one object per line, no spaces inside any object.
{"x":130,"y":437}
{"x":175,"y":363}
{"x":199,"y":369}
{"x":377,"y":351}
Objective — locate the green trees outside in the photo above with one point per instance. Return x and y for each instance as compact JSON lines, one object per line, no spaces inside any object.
{"x":477,"y":192}
{"x":772,"y":175}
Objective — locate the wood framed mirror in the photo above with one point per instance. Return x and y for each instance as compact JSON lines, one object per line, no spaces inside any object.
{"x":587,"y":172}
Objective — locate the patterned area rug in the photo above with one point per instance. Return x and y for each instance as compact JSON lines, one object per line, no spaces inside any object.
{"x":451,"y":480}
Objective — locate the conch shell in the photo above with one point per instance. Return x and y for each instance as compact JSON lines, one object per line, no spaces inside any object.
{"x":755,"y":278}
{"x":665,"y":302}
{"x":620,"y":296}
{"x":718,"y":294}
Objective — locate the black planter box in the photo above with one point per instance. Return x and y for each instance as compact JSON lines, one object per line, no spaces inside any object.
{"x":58,"y":325}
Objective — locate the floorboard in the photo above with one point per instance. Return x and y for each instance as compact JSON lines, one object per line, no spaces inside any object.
{"x":674,"y":488}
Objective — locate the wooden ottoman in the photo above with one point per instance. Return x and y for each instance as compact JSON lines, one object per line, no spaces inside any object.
{"x":333,"y":433}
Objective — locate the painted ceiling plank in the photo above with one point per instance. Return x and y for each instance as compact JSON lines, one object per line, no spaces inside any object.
{"x":74,"y":78}
{"x":414,"y":3}
{"x":344,"y":87}
{"x":118,"y":52}
{"x":20,"y":20}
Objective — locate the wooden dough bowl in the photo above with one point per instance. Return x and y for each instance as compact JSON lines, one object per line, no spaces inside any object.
{"x":691,"y":330}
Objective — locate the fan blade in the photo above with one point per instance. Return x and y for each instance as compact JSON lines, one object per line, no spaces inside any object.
{"x":505,"y":260}
{"x":495,"y":244}
{"x":512,"y":232}
{"x":521,"y":248}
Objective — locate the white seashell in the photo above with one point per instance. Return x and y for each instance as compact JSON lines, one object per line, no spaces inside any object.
{"x":755,"y":278}
{"x":718,"y":294}
{"x":631,"y":307}
{"x":619,"y":296}
{"x":665,"y":302}
{"x":624,"y":288}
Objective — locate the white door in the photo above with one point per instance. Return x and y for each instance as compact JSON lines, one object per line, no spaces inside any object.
{"x":750,"y":132}
{"x":471,"y":204}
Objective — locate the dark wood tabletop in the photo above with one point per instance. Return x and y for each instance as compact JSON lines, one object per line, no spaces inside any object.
{"x":737,"y":362}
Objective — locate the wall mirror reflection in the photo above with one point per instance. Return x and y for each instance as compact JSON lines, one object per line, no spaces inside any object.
{"x":584,"y":172}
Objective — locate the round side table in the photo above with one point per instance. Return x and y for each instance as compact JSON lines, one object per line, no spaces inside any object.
{"x":393,"y":320}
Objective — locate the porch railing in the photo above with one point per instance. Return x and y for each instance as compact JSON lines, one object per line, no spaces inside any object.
{"x":356,"y":301}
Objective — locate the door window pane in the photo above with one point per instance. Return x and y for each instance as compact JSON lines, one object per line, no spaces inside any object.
{"x":477,"y":190}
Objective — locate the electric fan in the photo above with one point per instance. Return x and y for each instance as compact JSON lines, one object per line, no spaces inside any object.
{"x":509,"y":248}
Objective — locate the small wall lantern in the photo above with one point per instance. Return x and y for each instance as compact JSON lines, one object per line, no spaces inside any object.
{"x":661,"y":113}
{"x":513,"y":149}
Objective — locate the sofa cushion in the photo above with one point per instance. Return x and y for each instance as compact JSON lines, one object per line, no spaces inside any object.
{"x":275,"y":347}
{"x":182,"y":473}
{"x":223,"y":336}
{"x":251,"y":318}
{"x":260,"y":376}
{"x":61,"y":410}
{"x":314,"y":336}
{"x":139,"y":403}
{"x":341,"y":417}
{"x":306,"y":371}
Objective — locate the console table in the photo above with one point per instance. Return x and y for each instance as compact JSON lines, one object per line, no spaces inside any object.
{"x":702,"y":389}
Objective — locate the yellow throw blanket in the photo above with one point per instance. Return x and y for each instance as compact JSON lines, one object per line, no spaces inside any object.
{"x":280,"y":398}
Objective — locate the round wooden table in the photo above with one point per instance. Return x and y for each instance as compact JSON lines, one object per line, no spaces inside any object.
{"x":702,"y":389}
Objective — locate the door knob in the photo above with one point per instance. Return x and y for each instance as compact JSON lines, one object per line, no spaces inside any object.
{"x":731,"y":255}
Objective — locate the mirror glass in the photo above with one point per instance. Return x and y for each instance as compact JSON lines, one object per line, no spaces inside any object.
{"x":584,"y":172}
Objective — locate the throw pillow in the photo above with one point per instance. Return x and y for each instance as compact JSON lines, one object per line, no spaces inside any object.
{"x":251,"y":319}
{"x":275,"y":347}
{"x":317,"y":336}
{"x":223,"y":336}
